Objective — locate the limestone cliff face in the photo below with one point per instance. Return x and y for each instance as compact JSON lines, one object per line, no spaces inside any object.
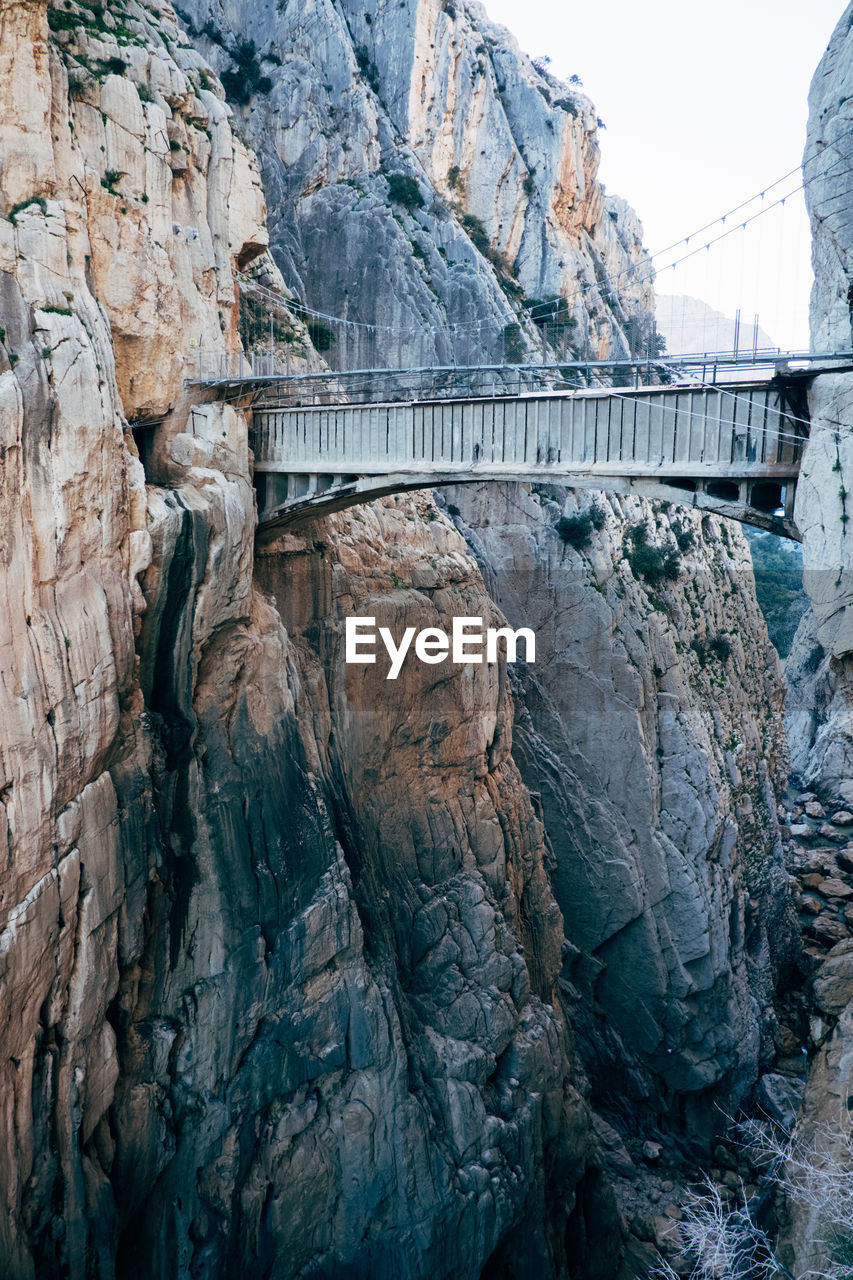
{"x":340,"y":97}
{"x":820,"y":667}
{"x":823,"y":492}
{"x":96,"y":198}
{"x":226,"y":1045}
{"x":285,"y":982}
{"x":822,"y":725}
{"x":652,"y":735}
{"x":818,"y":715}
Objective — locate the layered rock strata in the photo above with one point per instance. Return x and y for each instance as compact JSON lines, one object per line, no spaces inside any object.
{"x":285,"y":985}
{"x":342,"y":102}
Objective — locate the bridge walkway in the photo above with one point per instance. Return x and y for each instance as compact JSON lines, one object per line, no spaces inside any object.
{"x":734,"y":448}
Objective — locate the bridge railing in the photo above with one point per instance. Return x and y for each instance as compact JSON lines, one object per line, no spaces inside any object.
{"x":678,"y":431}
{"x":226,"y":366}
{"x":276,"y":384}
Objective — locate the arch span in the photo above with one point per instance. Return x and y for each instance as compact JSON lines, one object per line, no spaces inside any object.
{"x":732,"y":449}
{"x":317,"y":496}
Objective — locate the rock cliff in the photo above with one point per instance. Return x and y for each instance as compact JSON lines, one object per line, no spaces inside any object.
{"x":822,"y":494}
{"x":819,"y":668}
{"x":299,"y":978}
{"x":653,"y":736}
{"x":342,"y":100}
{"x":821,"y":731}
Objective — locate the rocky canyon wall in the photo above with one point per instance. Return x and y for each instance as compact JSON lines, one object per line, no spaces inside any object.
{"x":507,"y":207}
{"x":652,"y":734}
{"x":821,"y":729}
{"x":820,"y":667}
{"x":300,"y":977}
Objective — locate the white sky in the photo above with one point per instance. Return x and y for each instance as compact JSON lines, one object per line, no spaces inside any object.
{"x":704,"y":105}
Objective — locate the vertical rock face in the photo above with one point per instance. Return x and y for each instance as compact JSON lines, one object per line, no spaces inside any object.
{"x":506,"y":207}
{"x":285,"y":986}
{"x":820,"y":667}
{"x":818,"y":715}
{"x":227,"y":1046}
{"x":104,"y":300}
{"x":821,"y":719}
{"x":823,"y":491}
{"x":652,"y":734}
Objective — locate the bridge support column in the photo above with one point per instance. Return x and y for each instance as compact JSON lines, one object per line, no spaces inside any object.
{"x":275,"y":490}
{"x":790,"y":496}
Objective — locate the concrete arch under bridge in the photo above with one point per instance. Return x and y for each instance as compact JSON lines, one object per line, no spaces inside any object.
{"x":316,"y":496}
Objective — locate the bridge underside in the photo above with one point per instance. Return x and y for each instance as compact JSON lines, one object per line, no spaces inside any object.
{"x":764,"y":501}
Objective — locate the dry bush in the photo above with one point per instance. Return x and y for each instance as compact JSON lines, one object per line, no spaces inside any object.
{"x":724,"y":1243}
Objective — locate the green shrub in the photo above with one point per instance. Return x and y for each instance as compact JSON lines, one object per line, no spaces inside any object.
{"x":12,"y":215}
{"x":569,"y":105}
{"x":89,"y":18}
{"x":553,"y":310}
{"x":716,"y":646}
{"x":367,"y":67}
{"x":404,"y":190}
{"x":476,"y":233}
{"x":652,"y":563}
{"x":245,"y":79}
{"x":59,"y":20}
{"x":720,"y":647}
{"x":576,"y":530}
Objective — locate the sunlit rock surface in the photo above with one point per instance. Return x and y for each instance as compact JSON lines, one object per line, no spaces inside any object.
{"x":508,"y":208}
{"x":286,"y":987}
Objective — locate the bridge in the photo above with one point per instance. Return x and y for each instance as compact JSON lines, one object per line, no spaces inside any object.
{"x":735,"y":450}
{"x":715,"y":440}
{"x":719,"y":431}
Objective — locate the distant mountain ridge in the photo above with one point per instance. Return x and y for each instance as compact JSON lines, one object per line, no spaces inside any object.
{"x":689,"y":324}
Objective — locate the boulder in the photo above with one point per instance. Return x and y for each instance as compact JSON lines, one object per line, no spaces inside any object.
{"x":833,"y":985}
{"x":828,"y":927}
{"x":780,"y":1097}
{"x":835,"y":888}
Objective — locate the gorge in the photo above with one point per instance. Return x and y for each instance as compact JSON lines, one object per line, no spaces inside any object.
{"x":301,"y":977}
